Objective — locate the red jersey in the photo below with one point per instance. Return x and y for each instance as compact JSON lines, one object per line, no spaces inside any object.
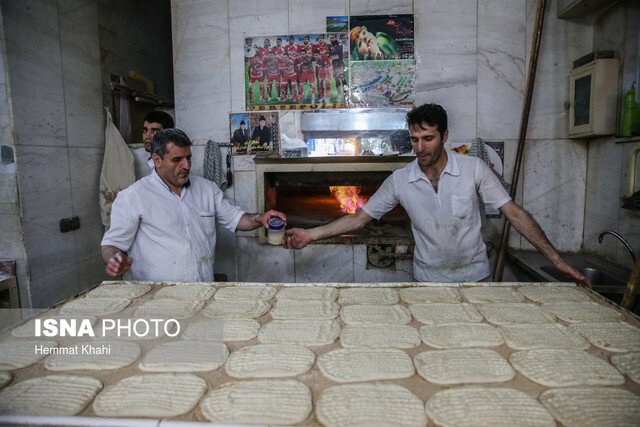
{"x":305,"y":64}
{"x":307,"y":47}
{"x":264,"y":53}
{"x":278,"y":52}
{"x":255,"y":67}
{"x":273,"y":67}
{"x":292,"y":50}
{"x":324,"y":63}
{"x":288,"y":66}
{"x":322,"y":47}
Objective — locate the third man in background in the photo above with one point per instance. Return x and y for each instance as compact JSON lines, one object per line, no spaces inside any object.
{"x":153,"y":122}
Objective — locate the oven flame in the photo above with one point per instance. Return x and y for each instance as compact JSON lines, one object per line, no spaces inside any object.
{"x":348,"y":196}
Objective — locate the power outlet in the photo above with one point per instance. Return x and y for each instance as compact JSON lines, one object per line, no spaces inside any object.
{"x":69,"y":224}
{"x":75,"y":222}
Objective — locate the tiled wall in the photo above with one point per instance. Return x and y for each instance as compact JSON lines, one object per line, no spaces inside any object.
{"x":53,"y":63}
{"x":472,"y":58}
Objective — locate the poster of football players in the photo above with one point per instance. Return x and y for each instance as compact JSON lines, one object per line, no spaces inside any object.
{"x":254,"y":132}
{"x":296,"y":71}
{"x":379,"y":37}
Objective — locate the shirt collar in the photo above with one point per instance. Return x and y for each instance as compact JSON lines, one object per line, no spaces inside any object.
{"x":415,"y":173}
{"x":159,"y":180}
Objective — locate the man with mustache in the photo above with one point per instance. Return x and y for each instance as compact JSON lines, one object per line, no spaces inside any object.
{"x":163,"y":226}
{"x":440,"y":191}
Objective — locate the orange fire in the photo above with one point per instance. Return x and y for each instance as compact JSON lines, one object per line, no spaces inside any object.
{"x":348,"y":196}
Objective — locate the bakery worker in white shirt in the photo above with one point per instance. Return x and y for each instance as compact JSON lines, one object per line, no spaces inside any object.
{"x":163,"y":226}
{"x":440,"y":191}
{"x":153,"y":122}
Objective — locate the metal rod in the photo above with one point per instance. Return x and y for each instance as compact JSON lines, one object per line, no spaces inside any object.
{"x":533,"y":64}
{"x":629,"y":297}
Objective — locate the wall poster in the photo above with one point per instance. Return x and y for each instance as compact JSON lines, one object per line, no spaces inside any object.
{"x":254,"y":132}
{"x":296,"y":71}
{"x":375,"y":37}
{"x":337,"y":24}
{"x":382,"y":83}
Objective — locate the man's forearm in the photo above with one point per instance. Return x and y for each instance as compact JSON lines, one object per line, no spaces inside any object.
{"x":342,"y":225}
{"x":524,"y":223}
{"x":108,"y":252}
{"x":248,"y":221}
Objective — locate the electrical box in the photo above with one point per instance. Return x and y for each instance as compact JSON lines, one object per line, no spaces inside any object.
{"x":593,"y":91}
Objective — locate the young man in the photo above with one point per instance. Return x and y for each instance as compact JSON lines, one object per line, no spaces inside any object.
{"x":256,"y":74}
{"x":289,"y":76}
{"x":323,"y":75}
{"x":305,"y":66}
{"x":321,"y":46}
{"x":163,"y":227}
{"x":291,"y":48}
{"x":273,"y":75}
{"x":153,"y":122}
{"x":278,"y":51}
{"x":439,"y":191}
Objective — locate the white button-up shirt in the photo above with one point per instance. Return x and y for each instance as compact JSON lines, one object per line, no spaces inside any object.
{"x":170,"y":237}
{"x":142,"y":162}
{"x":445,"y":224}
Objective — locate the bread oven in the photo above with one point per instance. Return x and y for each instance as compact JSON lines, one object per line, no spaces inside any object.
{"x":316,"y":191}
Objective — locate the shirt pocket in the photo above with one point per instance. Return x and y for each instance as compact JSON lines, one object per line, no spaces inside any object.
{"x":462,"y":205}
{"x":208,"y":222}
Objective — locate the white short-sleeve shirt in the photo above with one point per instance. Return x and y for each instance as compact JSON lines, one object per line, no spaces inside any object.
{"x":143,"y":163}
{"x":170,"y":237}
{"x":446,"y":225}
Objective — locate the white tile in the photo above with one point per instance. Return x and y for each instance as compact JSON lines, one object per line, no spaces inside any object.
{"x":243,"y":163}
{"x":459,"y":102}
{"x":501,"y":67}
{"x":361,"y":274}
{"x":264,"y":263}
{"x":244,"y":187}
{"x":324,"y":263}
{"x":91,"y":271}
{"x":42,"y":169}
{"x":380,"y":7}
{"x":310,"y":16}
{"x":54,"y":287}
{"x":226,"y":253}
{"x":554,"y":190}
{"x":38,"y":121}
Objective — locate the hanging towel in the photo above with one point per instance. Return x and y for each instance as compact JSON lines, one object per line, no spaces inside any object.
{"x":213,"y":169}
{"x":117,"y":169}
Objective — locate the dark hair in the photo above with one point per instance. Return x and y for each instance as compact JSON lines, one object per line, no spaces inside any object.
{"x":242,"y":122}
{"x":262,"y":118}
{"x":160,"y":117}
{"x":161,"y":139}
{"x":430,"y":114}
{"x":316,"y":51}
{"x":278,"y":39}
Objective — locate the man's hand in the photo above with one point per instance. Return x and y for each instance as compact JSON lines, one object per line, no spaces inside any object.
{"x":118,"y":264}
{"x":265,"y":217}
{"x":571,"y":272}
{"x":296,"y":238}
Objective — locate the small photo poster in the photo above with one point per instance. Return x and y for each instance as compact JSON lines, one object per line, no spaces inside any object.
{"x":337,"y":24}
{"x":253,"y":133}
{"x":294,"y":72}
{"x":378,"y":37}
{"x":382,"y":83}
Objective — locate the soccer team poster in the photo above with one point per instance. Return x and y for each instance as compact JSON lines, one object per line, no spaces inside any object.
{"x":296,"y":71}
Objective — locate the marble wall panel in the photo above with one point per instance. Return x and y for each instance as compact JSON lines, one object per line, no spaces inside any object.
{"x":554,"y":190}
{"x":380,"y":7}
{"x":324,"y":263}
{"x":226,"y":249}
{"x":361,"y":274}
{"x":243,"y":163}
{"x":264,"y":263}
{"x":501,"y":67}
{"x":244,"y":193}
{"x":459,"y":102}
{"x":54,"y":287}
{"x":91,"y":271}
{"x":309,"y":16}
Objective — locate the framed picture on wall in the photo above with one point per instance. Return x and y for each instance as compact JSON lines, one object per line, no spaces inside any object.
{"x":253,"y":133}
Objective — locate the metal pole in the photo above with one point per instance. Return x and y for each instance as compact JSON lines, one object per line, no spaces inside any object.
{"x":531,"y":78}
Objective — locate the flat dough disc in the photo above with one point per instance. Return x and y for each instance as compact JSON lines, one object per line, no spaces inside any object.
{"x":366,"y":314}
{"x":245,"y":292}
{"x":280,"y":402}
{"x":491,"y":294}
{"x":303,"y":332}
{"x":169,"y":308}
{"x":423,"y":295}
{"x":270,"y":361}
{"x":369,"y":404}
{"x":346,"y":365}
{"x":121,"y":290}
{"x":236,"y":308}
{"x":121,"y":353}
{"x":5,"y":378}
{"x":93,"y":306}
{"x":510,"y":313}
{"x":185,"y":356}
{"x":314,"y":310}
{"x":582,"y":312}
{"x":564,"y":368}
{"x":459,"y":366}
{"x":542,"y":335}
{"x":592,"y":406}
{"x":458,"y":335}
{"x":151,"y":395}
{"x":395,"y":336}
{"x":486,"y":406}
{"x":55,"y":395}
{"x":308,"y":293}
{"x":28,"y":329}
{"x":445,"y":313}
{"x":192,"y":291}
{"x":628,"y":364}
{"x":18,"y":354}
{"x":554,"y":293}
{"x":222,"y":330}
{"x":368,"y":296}
{"x":619,"y":337}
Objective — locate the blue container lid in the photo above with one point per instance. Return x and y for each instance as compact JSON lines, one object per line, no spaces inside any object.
{"x":276,"y":223}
